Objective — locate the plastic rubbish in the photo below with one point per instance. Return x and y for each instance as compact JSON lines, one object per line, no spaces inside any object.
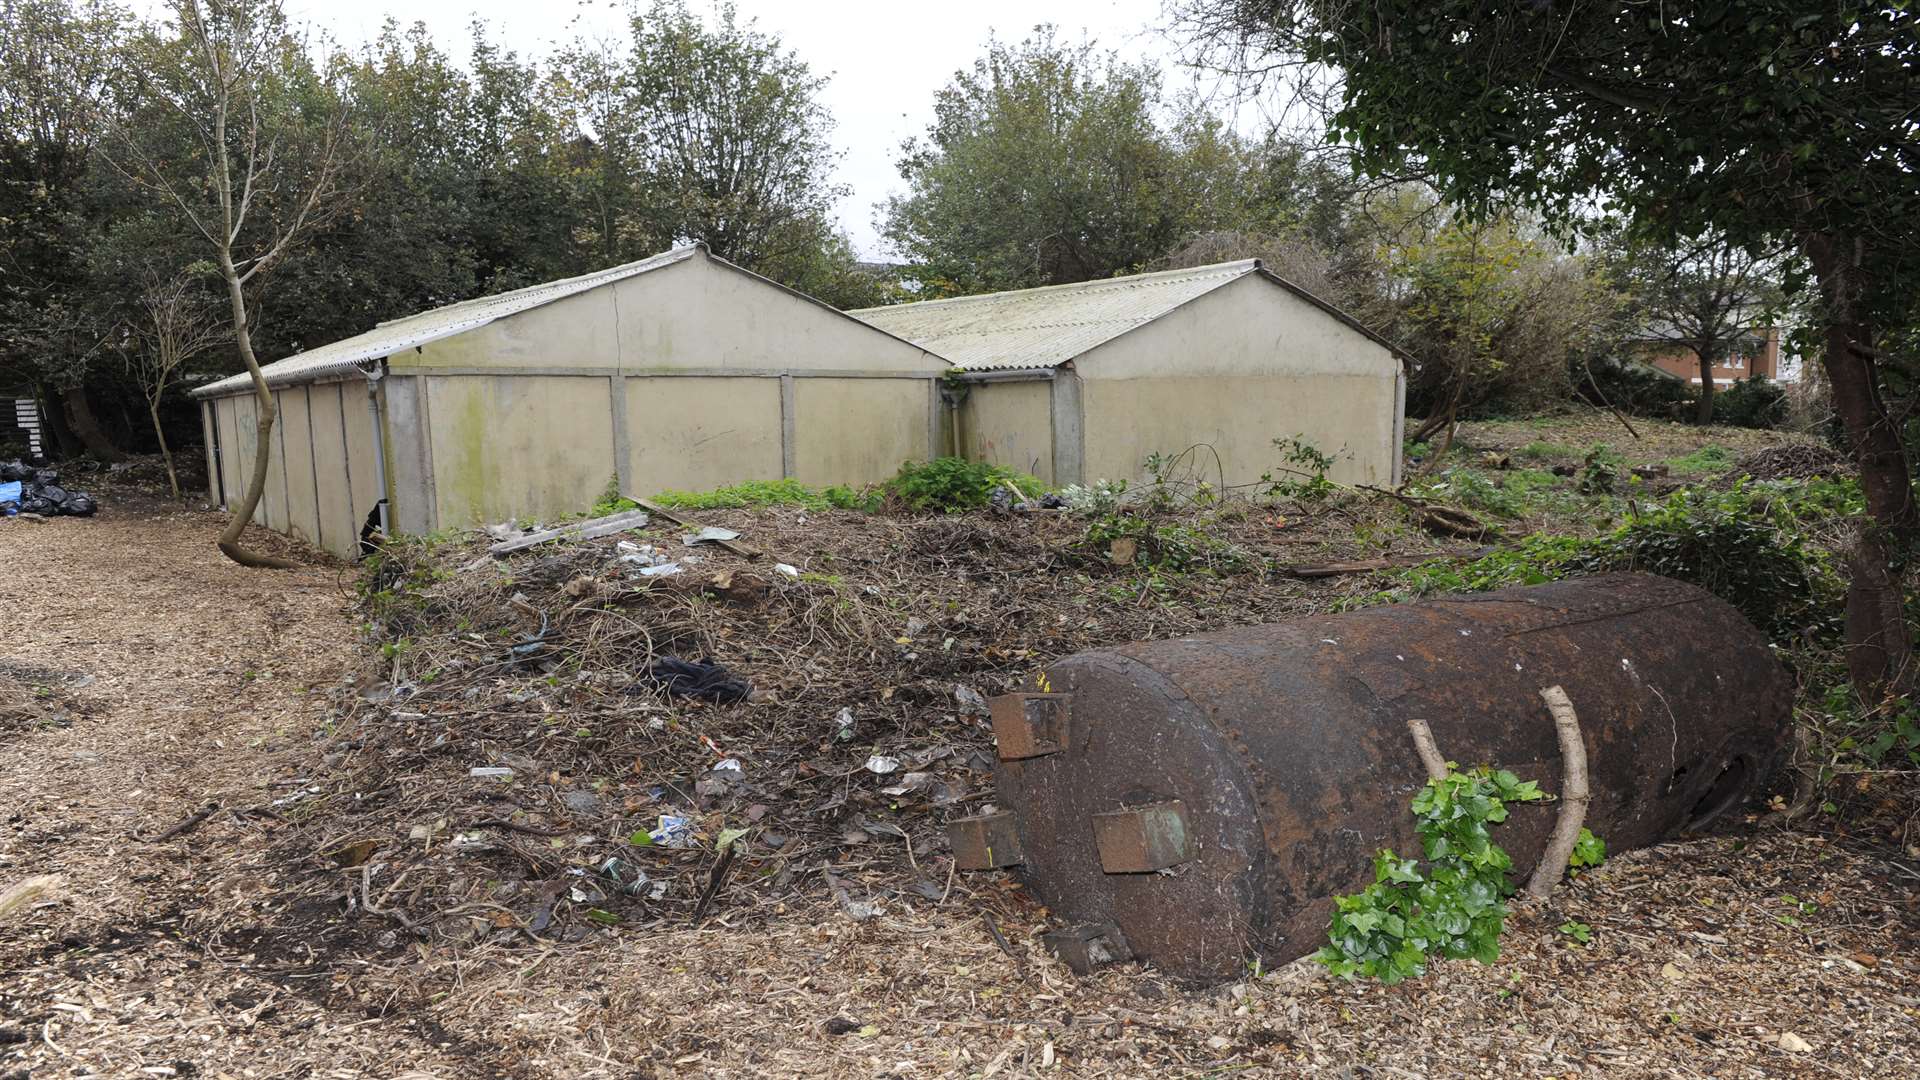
{"x":843,"y":725}
{"x":490,"y":772}
{"x":79,"y":505}
{"x":882,"y":765}
{"x":783,"y":568}
{"x":632,"y":880}
{"x":971,"y":701}
{"x":712,"y":534}
{"x":673,"y":832}
{"x":705,"y":680}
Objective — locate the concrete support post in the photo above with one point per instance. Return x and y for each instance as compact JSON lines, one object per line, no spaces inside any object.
{"x":1069,"y":435}
{"x":788,"y":453}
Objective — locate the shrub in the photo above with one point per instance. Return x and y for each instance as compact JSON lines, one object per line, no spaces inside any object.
{"x":1753,"y":402}
{"x":1744,"y":546}
{"x":1634,"y":388}
{"x":1172,"y":547}
{"x":952,"y":484}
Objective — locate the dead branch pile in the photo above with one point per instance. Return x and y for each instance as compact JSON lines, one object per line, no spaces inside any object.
{"x":602,"y":797}
{"x":1791,"y":461}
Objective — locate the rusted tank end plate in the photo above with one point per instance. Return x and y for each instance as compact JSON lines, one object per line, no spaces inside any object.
{"x":1142,"y":839}
{"x":1029,"y":725}
{"x":986,"y":842}
{"x":1088,"y":946}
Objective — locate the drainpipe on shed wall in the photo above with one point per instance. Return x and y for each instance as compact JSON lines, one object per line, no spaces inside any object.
{"x":374,"y":374}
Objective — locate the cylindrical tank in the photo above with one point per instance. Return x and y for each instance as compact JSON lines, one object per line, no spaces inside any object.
{"x":1207,"y":797}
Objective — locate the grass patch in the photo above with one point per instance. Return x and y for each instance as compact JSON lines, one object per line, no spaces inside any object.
{"x":1705,"y":461}
{"x":1546,"y":451}
{"x":756,"y":494}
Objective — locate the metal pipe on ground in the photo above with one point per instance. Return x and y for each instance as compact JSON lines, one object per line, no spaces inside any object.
{"x":1199,"y":802}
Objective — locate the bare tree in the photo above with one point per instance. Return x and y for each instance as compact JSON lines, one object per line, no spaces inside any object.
{"x":247,"y":144}
{"x":175,"y":324}
{"x":1711,"y":299}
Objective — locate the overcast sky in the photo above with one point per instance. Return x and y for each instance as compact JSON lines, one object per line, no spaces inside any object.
{"x":886,"y":59}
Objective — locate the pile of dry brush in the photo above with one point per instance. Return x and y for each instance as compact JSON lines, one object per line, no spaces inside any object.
{"x":865,"y":732}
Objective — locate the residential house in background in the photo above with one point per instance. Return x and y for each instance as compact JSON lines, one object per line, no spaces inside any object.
{"x":1757,"y":354}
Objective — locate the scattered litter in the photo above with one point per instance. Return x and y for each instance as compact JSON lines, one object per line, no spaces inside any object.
{"x":472,"y":842}
{"x":731,"y":765}
{"x":490,"y":772}
{"x":27,"y":490}
{"x":860,"y":910}
{"x":582,"y":530}
{"x":705,"y":680}
{"x":632,"y":880}
{"x":843,"y":725}
{"x":882,"y":765}
{"x":783,"y":568}
{"x":971,"y":701}
{"x":912,"y":781}
{"x":673,"y":832}
{"x":660,"y":570}
{"x":712,"y":534}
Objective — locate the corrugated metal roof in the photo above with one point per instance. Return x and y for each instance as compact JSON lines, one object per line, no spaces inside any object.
{"x":1048,"y":326}
{"x":392,"y":337}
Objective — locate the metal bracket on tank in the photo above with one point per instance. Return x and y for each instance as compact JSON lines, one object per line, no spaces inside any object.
{"x":985,"y":842}
{"x":1030,"y":725}
{"x":1088,"y":946}
{"x":1142,"y":839}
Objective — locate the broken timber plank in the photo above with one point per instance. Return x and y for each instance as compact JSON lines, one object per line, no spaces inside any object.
{"x":580,"y":530}
{"x":734,"y":546}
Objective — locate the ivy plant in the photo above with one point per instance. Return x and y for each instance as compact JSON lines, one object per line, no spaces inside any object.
{"x":1455,"y":906}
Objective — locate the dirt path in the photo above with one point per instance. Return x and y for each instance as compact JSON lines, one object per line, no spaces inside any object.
{"x":141,"y":676}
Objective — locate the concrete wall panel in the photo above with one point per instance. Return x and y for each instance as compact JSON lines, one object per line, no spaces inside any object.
{"x":1252,"y":326}
{"x":577,"y":331}
{"x":1237,"y":368}
{"x":697,"y":433}
{"x":858,"y":431}
{"x":225,"y":413}
{"x":246,"y":419}
{"x":332,"y":494}
{"x":409,"y":464}
{"x":1349,"y":417}
{"x":296,"y":440}
{"x":1009,"y":423}
{"x":704,"y":315}
{"x":516,"y":446}
{"x":363,"y":468}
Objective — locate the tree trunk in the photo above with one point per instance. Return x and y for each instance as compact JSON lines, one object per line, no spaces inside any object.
{"x":85,"y":426}
{"x":1878,"y":640}
{"x":263,"y":446}
{"x":58,"y":439}
{"x":166,"y":455}
{"x":1705,"y":415}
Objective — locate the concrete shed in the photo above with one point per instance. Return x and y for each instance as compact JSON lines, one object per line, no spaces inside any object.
{"x":678,"y":371}
{"x":1076,"y":383}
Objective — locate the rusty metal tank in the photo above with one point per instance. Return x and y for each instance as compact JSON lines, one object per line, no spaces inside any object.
{"x":1198,"y":802}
